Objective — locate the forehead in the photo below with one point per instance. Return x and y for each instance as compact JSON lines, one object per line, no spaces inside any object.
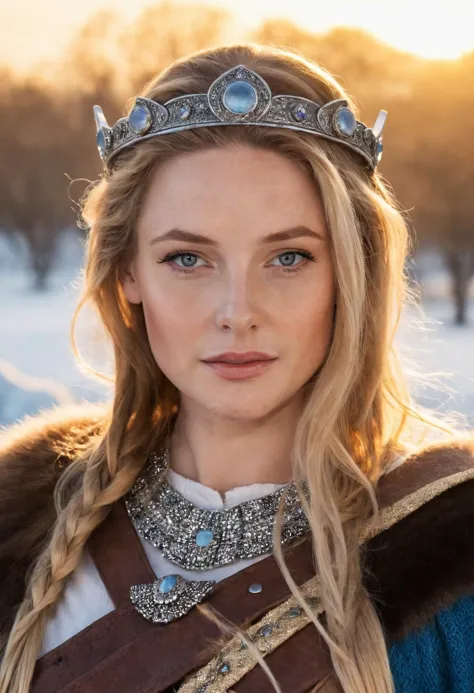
{"x":231,"y":187}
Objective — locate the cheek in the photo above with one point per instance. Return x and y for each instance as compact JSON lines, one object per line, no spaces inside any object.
{"x":173,"y":325}
{"x":310,"y":324}
{"x":312,"y":330}
{"x":165,"y":325}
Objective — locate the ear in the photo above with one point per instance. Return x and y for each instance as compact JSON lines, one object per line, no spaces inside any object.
{"x":131,"y":285}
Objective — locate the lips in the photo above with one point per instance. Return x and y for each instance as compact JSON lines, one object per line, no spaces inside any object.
{"x":234,"y":357}
{"x":240,"y":371}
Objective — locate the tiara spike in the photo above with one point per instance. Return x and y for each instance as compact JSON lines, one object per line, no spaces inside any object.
{"x":104,"y":132}
{"x":100,"y":120}
{"x":379,"y":124}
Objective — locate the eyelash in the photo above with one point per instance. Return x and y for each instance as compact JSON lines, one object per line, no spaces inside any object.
{"x":189,"y":270}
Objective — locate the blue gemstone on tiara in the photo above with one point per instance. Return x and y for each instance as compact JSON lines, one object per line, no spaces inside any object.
{"x":379,"y":150}
{"x":101,"y":142}
{"x":184,"y":111}
{"x":345,"y":122}
{"x":300,"y":113}
{"x":139,"y":119}
{"x":240,"y":98}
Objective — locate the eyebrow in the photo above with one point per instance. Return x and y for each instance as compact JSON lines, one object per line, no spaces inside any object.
{"x":188,"y":237}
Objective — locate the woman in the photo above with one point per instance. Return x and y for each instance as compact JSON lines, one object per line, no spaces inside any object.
{"x":270,"y":242}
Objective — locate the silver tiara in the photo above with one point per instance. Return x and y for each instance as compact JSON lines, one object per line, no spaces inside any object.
{"x":239,"y":97}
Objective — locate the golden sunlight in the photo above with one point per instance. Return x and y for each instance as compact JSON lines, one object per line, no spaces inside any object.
{"x":31,"y":32}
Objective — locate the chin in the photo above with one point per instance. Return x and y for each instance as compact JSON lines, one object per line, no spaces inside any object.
{"x":240,"y":406}
{"x":245,"y":415}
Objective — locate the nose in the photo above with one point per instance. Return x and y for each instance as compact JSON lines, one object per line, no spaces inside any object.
{"x":237,"y":307}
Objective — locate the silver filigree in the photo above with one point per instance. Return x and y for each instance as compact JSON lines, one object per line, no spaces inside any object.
{"x":212,"y":109}
{"x":197,"y":539}
{"x":168,"y":605}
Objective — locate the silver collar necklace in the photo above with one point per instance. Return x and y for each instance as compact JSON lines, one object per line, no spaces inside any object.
{"x":197,"y":539}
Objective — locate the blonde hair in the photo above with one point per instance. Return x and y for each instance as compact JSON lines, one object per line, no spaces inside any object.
{"x":357,"y":413}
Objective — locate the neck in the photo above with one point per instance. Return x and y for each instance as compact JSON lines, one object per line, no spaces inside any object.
{"x":224,"y":453}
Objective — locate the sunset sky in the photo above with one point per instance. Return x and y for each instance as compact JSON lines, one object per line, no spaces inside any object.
{"x":36,"y":30}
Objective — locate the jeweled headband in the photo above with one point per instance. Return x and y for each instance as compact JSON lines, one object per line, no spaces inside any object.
{"x":239,"y":97}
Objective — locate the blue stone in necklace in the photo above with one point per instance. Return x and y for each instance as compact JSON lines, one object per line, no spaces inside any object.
{"x":204,"y":537}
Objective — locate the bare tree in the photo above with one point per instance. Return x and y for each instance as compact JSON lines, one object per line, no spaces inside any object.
{"x":168,"y":31}
{"x":33,"y":198}
{"x":432,"y":164}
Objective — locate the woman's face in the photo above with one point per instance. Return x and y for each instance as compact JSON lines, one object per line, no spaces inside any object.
{"x":229,"y":287}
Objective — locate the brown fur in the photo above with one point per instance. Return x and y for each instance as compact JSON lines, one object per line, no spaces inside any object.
{"x":425,"y":562}
{"x":418,"y":566}
{"x":33,"y":454}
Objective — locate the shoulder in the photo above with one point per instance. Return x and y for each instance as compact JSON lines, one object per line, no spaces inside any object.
{"x":33,"y":454}
{"x":53,"y":432}
{"x":421,"y":560}
{"x":419,"y":568}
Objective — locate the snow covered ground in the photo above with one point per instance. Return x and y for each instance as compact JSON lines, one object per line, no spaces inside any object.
{"x":37,"y":366}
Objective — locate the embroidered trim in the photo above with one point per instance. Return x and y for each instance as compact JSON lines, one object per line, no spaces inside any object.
{"x":235,"y":659}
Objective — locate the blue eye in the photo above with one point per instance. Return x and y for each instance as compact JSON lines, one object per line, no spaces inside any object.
{"x":292,"y":254}
{"x":185,"y":256}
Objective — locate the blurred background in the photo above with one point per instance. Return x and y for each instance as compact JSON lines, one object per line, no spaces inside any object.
{"x":59,"y":58}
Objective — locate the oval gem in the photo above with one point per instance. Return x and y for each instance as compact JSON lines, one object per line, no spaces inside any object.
{"x":204,"y":537}
{"x":184,"y":111}
{"x":139,"y":119}
{"x":240,"y":98}
{"x":294,"y":612}
{"x":379,"y":150}
{"x":167,"y":584}
{"x":345,"y":122}
{"x":101,"y":143}
{"x":300,"y":113}
{"x":266,"y":631}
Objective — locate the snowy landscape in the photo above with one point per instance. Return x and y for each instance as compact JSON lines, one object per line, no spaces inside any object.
{"x":38,"y":370}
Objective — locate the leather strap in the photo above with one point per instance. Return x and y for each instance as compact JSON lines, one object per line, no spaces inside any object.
{"x":302,"y":662}
{"x":119,"y":555}
{"x":119,"y":651}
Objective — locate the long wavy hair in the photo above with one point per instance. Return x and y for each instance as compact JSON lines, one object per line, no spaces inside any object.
{"x":358,"y":413}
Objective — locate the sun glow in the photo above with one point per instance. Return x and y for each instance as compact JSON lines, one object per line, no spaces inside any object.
{"x":442,"y":29}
